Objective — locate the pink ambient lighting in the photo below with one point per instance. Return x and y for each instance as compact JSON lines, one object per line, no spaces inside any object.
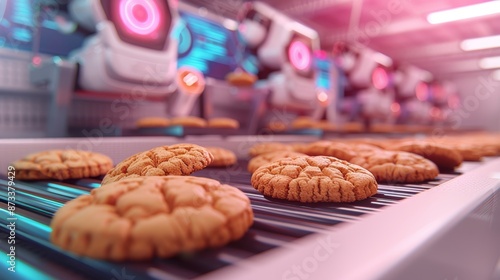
{"x":395,"y":108}
{"x":140,"y":16}
{"x":36,"y":60}
{"x":422,"y":91}
{"x":299,"y":55}
{"x":380,"y":78}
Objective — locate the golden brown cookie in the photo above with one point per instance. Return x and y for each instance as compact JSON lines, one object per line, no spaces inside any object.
{"x":331,"y":149}
{"x":222,"y":157}
{"x":189,"y":121}
{"x":303,"y":122}
{"x":180,"y":159}
{"x":400,"y":167}
{"x":263,"y":148}
{"x":223,"y":123}
{"x":314,"y":179}
{"x":152,"y":122}
{"x":146,"y":217}
{"x":444,"y":157}
{"x":469,"y":152}
{"x":241,"y":79}
{"x":266,"y":158}
{"x":362,"y":148}
{"x":325,"y":125}
{"x":299,"y":147}
{"x":62,"y":165}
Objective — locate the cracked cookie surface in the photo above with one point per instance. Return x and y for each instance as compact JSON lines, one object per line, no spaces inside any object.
{"x":444,"y":157}
{"x":266,"y":158}
{"x":146,"y":217}
{"x":180,"y":159}
{"x":222,"y":157}
{"x":314,"y":179}
{"x":62,"y":165}
{"x":397,"y":167}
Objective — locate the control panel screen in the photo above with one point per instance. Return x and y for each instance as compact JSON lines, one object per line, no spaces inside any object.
{"x":18,"y":28}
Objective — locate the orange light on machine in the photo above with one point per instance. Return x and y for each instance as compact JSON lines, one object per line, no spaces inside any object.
{"x":190,"y":80}
{"x":323,"y":98}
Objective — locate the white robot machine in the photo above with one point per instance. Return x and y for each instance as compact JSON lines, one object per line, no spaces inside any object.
{"x":287,"y":48}
{"x":414,"y":90}
{"x":370,"y":83}
{"x":131,"y":51}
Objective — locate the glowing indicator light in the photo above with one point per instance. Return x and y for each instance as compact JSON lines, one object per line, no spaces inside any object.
{"x":299,"y":55}
{"x":36,"y":60}
{"x":140,"y":16}
{"x":395,"y":107}
{"x":380,"y":78}
{"x":323,"y":98}
{"x":190,"y":79}
{"x":422,"y":91}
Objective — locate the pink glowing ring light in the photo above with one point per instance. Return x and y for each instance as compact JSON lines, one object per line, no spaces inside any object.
{"x":140,"y":16}
{"x":380,"y":78}
{"x":299,"y":55}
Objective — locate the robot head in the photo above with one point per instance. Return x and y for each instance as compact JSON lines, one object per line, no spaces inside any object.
{"x":278,"y":40}
{"x":368,"y":71}
{"x":409,"y":78}
{"x":132,"y":45}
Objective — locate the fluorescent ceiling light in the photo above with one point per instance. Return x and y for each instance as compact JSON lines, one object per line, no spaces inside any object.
{"x":481,"y":43}
{"x":465,"y":12}
{"x":496,"y":75}
{"x":490,"y":62}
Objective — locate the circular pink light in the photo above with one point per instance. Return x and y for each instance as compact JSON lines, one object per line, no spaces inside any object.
{"x":380,"y":79}
{"x":140,"y":16}
{"x":395,"y":107}
{"x":422,"y":91}
{"x":299,"y":55}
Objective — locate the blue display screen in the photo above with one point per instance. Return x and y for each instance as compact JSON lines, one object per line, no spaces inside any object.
{"x":206,"y":45}
{"x":323,"y":69}
{"x":18,"y":29}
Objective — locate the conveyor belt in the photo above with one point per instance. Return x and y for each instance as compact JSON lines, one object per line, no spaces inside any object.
{"x":276,"y":224}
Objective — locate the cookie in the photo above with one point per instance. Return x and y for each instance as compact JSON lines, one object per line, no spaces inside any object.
{"x":314,"y":179}
{"x":299,"y":147}
{"x":180,"y":159}
{"x":62,"y":165}
{"x":397,"y":167}
{"x":223,"y":123}
{"x":189,"y":121}
{"x":444,"y":157}
{"x":241,"y":79}
{"x":222,"y":157}
{"x":152,"y":122}
{"x":469,"y":152}
{"x":266,"y":158}
{"x":324,"y":125}
{"x":146,"y":217}
{"x":362,"y":148}
{"x":263,"y":148}
{"x":331,"y":149}
{"x":303,"y":122}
